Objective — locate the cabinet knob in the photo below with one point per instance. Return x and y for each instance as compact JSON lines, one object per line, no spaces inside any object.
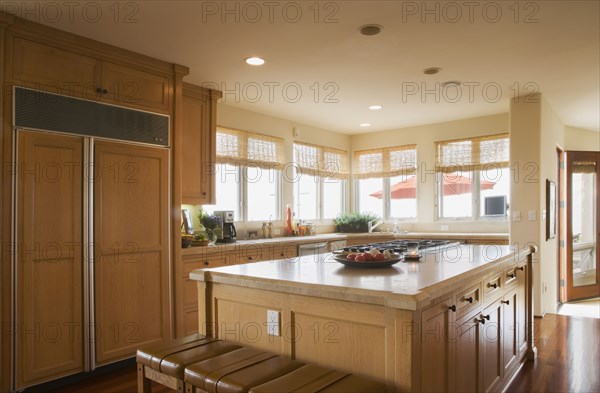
{"x":482,"y":321}
{"x":507,"y":302}
{"x":100,"y":90}
{"x":205,"y":263}
{"x":469,"y":299}
{"x":453,"y":308}
{"x":511,"y":275}
{"x":493,"y":285}
{"x":249,"y":258}
{"x":203,"y":192}
{"x":486,"y":317}
{"x":522,"y":268}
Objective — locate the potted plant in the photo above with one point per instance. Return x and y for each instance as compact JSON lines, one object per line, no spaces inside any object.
{"x":211,"y":224}
{"x":354,"y":222}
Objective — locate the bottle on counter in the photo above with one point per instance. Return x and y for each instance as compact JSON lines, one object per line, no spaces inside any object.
{"x":288,"y":221}
{"x":264,"y":230}
{"x":270,"y":230}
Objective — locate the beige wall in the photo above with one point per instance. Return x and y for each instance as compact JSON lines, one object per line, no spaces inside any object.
{"x":535,"y":133}
{"x":580,"y":139}
{"x":423,"y":137}
{"x":525,"y":138}
{"x":552,"y":136}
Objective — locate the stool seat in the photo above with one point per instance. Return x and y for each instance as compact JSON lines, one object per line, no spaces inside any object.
{"x":316,"y":379}
{"x":172,"y":357}
{"x":237,"y":371}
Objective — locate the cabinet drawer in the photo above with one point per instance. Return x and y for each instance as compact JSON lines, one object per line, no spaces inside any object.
{"x":252,"y":253}
{"x":285,"y":251}
{"x":467,"y":300}
{"x":510,"y":276}
{"x":204,"y":261}
{"x":492,"y":286}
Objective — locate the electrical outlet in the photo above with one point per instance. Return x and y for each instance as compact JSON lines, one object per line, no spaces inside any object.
{"x":531,"y":215}
{"x":516,"y":215}
{"x":273,"y":323}
{"x":445,"y":227}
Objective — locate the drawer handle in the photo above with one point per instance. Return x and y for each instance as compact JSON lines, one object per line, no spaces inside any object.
{"x":453,"y":308}
{"x":100,"y":90}
{"x":483,"y":318}
{"x":469,"y":299}
{"x":206,"y":263}
{"x":204,"y":193}
{"x":494,"y":285}
{"x":482,"y":321}
{"x":281,"y":255}
{"x":511,"y":275}
{"x":249,"y":258}
{"x":507,"y":302}
{"x":522,"y":268}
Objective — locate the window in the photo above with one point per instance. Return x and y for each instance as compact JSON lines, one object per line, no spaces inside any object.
{"x":249,"y":164}
{"x":386,"y":182}
{"x":472,"y":172}
{"x":319,"y":184}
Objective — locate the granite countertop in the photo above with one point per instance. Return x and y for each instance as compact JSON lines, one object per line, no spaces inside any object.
{"x":344,"y":236}
{"x":405,"y":285}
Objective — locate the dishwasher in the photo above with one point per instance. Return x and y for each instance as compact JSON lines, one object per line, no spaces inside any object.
{"x":313,"y":249}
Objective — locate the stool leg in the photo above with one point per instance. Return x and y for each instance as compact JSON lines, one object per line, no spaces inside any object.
{"x":143,"y":383}
{"x":180,"y":386}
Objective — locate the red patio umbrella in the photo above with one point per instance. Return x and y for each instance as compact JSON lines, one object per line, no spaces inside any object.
{"x":453,"y":185}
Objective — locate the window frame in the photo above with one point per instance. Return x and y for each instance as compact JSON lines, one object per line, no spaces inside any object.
{"x":475,"y":172}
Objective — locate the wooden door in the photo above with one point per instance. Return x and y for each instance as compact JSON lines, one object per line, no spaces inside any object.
{"x":49,"y":319}
{"x":510,"y":330}
{"x":436,"y":351}
{"x":491,"y":346}
{"x":124,"y":85}
{"x":466,"y":365}
{"x":582,"y":268}
{"x":199,"y":140}
{"x":131,"y":267}
{"x":55,"y":70}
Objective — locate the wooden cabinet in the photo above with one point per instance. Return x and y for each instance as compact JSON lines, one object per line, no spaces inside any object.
{"x":474,"y":338}
{"x":49,"y":309}
{"x":52,"y":69}
{"x":131,"y":289}
{"x":198,"y":147}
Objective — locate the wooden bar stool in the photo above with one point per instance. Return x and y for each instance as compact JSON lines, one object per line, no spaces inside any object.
{"x":165,"y":362}
{"x":315,"y":379}
{"x":236,"y":371}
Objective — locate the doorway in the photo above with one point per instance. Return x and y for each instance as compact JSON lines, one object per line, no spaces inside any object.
{"x":581,"y":262}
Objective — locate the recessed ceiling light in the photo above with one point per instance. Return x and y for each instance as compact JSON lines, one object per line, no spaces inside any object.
{"x":370,"y":29}
{"x":431,"y":70}
{"x":452,"y":84}
{"x":365,"y":124}
{"x":255,"y":61}
{"x":375,"y":107}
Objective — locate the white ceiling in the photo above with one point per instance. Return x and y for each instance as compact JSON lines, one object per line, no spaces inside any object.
{"x":557,"y":53}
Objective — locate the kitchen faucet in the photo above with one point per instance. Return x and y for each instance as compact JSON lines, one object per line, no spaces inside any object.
{"x":373,"y":224}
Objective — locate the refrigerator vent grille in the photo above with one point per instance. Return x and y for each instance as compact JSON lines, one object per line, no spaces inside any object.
{"x":45,"y":111}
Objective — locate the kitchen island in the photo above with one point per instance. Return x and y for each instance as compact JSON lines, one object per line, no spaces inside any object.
{"x":457,"y":320}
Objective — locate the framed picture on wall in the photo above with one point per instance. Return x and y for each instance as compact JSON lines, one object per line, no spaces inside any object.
{"x":186,"y":219}
{"x":550,"y":209}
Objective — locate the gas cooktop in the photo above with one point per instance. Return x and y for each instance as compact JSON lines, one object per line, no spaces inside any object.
{"x":398,"y":246}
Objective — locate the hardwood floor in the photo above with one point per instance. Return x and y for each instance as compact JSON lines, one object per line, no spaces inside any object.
{"x":568,"y":356}
{"x":567,"y":361}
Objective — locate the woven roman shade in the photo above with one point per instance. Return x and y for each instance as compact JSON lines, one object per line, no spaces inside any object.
{"x":321,"y":161}
{"x":246,"y":148}
{"x":385,"y":162}
{"x":472,"y":153}
{"x":584,"y":167}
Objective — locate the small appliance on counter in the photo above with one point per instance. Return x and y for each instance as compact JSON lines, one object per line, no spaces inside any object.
{"x":228,"y":234}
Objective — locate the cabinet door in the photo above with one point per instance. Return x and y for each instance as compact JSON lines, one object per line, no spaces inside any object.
{"x":134,"y":87}
{"x":198,"y":147}
{"x":49,"y":259}
{"x":510,"y":330}
{"x":131,"y":283}
{"x":54,"y":70}
{"x":491,"y":345}
{"x":436,"y":336}
{"x":466,"y":366}
{"x":522,"y":273}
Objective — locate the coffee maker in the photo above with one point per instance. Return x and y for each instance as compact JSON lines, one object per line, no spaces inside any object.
{"x":228,"y":233}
